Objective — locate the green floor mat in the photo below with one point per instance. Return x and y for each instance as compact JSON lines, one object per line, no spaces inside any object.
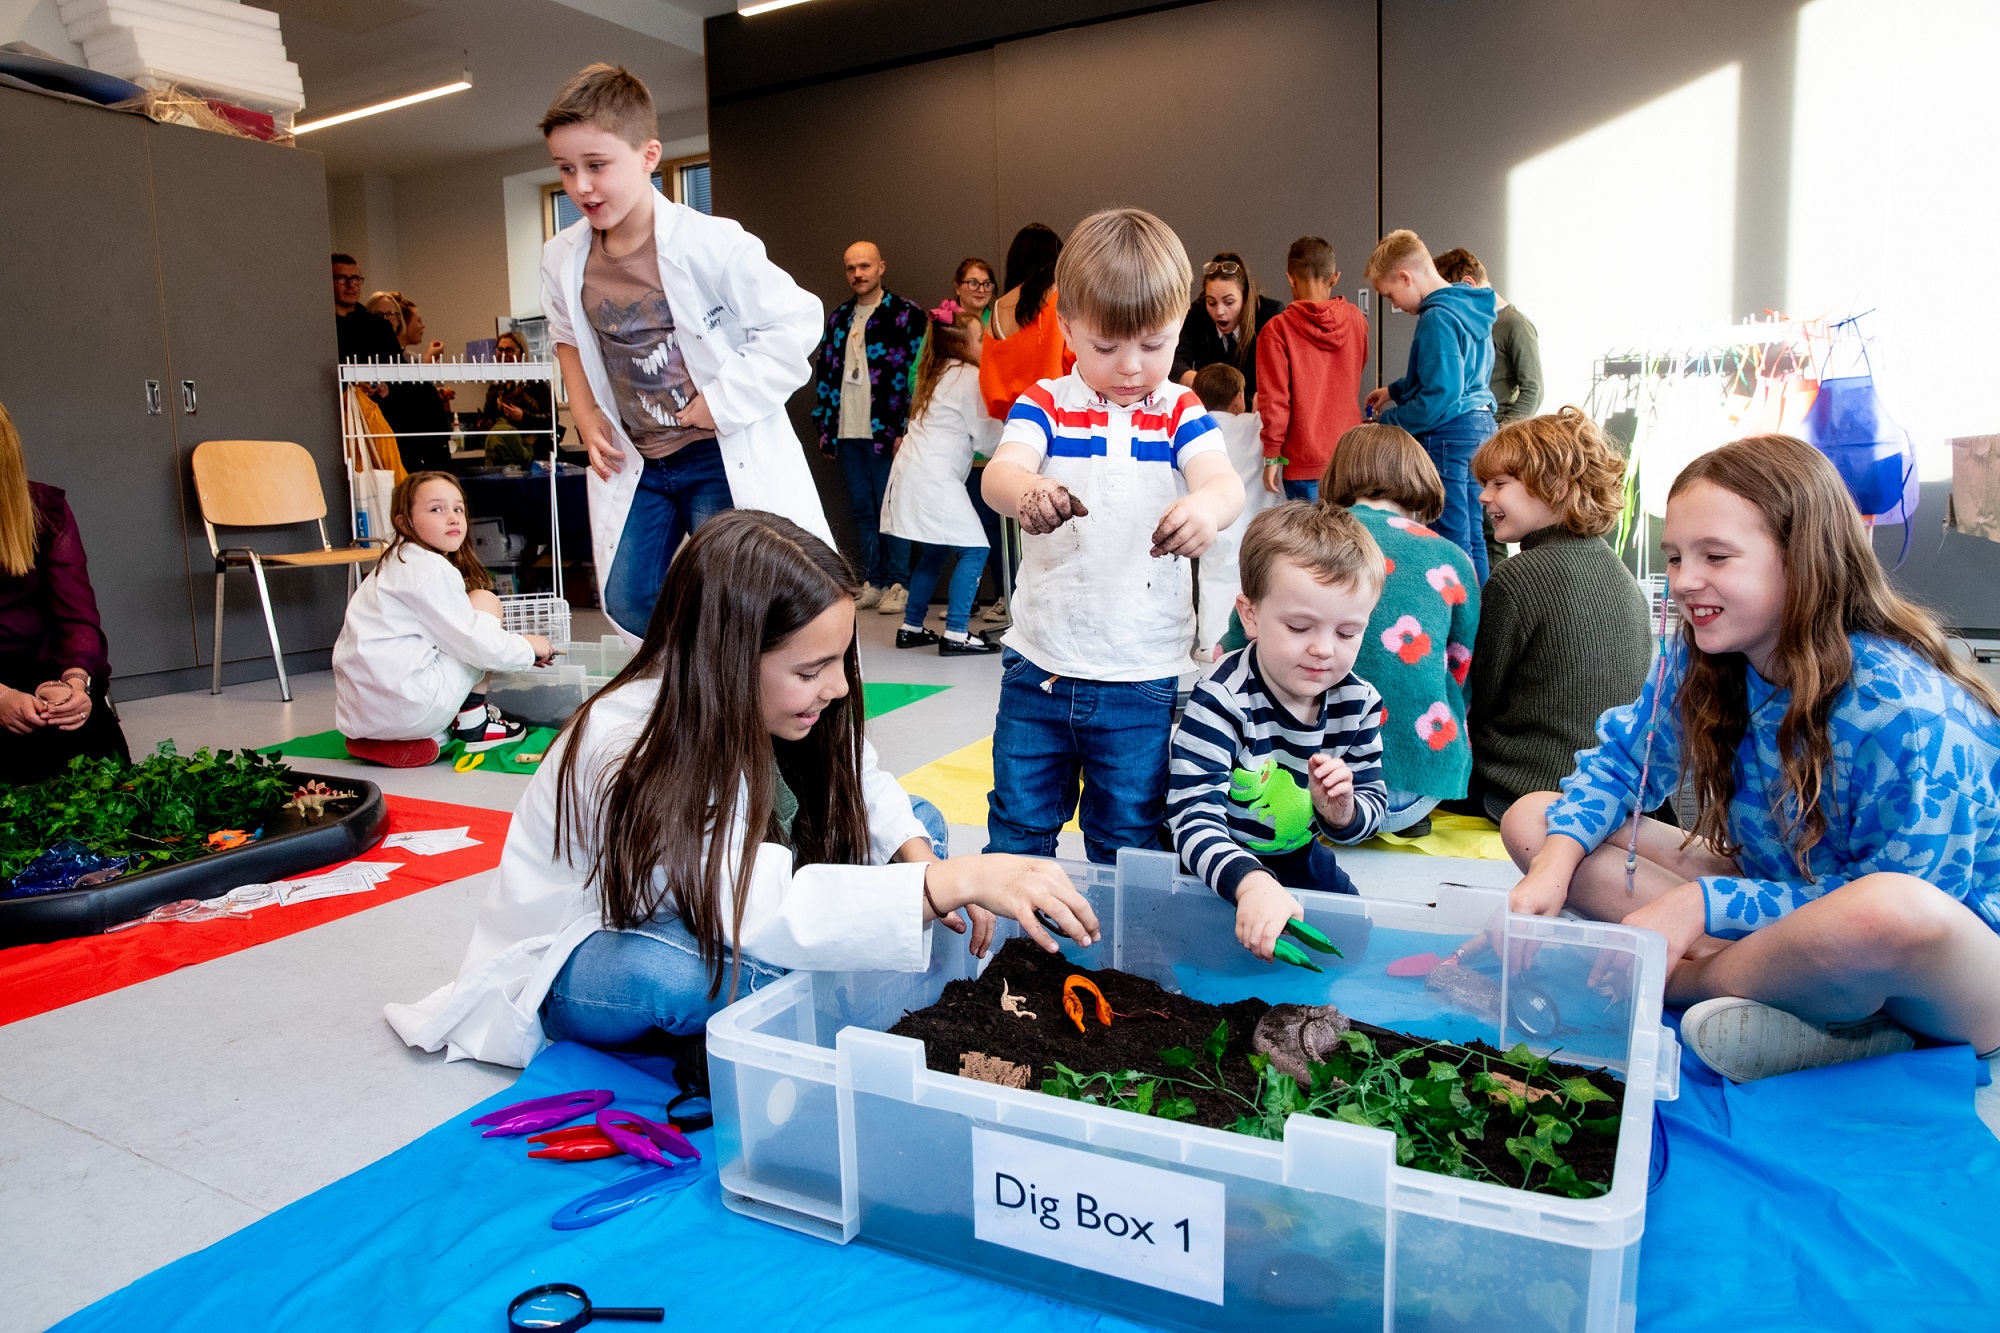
{"x":523,"y":756}
{"x":879,"y":697}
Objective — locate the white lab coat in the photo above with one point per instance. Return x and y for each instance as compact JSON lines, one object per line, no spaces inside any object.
{"x":926,"y":499}
{"x":411,"y":648}
{"x":747,"y":333}
{"x":1220,"y":579}
{"x":820,"y":917}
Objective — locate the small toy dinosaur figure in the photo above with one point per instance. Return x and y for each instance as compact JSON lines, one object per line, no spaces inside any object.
{"x":1011,"y":1003}
{"x":310,"y":800}
{"x":1273,"y":795}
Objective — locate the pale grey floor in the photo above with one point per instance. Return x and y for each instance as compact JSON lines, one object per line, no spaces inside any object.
{"x":144,"y":1124}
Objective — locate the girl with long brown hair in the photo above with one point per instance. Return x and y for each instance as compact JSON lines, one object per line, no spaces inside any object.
{"x":713,"y":817}
{"x":1223,"y":322}
{"x":1837,"y":891}
{"x":420,"y":636}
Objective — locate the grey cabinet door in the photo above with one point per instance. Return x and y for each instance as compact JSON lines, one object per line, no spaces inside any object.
{"x":80,"y":282}
{"x":243,"y":262}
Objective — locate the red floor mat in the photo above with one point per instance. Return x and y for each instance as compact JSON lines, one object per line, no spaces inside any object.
{"x":35,"y":978}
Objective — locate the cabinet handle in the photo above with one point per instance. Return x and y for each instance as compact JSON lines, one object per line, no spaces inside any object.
{"x":1361,"y":296}
{"x":152,"y":398}
{"x":187,"y":397}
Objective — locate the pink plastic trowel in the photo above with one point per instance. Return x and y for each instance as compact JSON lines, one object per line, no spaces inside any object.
{"x":1422,"y":964}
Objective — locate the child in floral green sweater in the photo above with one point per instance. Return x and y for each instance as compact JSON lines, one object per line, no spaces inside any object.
{"x":1418,"y":649}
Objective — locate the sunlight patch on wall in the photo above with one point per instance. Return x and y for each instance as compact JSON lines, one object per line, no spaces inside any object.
{"x":1896,"y":202}
{"x":1626,"y":231}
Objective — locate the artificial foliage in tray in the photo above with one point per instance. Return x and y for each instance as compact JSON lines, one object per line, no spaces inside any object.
{"x":1034,"y":1020}
{"x":167,"y":808}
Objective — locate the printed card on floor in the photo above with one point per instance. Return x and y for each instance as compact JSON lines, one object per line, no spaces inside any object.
{"x":1162,"y":1228}
{"x":432,"y":842}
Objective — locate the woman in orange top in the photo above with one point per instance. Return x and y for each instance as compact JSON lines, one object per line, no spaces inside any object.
{"x":1023,"y":342}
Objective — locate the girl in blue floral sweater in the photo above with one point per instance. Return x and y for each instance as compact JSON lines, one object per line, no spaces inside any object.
{"x":1838,"y":891}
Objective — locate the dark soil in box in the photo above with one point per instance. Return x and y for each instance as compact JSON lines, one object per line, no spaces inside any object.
{"x":1470,"y":1111}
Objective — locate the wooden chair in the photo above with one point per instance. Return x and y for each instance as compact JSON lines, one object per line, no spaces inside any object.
{"x":266,"y":484}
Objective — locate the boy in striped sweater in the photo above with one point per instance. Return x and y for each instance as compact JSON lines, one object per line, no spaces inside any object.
{"x":1280,"y":750}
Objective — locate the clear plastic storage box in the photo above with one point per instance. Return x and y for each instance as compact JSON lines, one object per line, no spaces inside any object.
{"x":546,"y":696}
{"x":828,"y":1125}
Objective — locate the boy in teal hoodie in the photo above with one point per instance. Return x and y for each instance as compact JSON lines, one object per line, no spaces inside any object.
{"x":1443,"y":400}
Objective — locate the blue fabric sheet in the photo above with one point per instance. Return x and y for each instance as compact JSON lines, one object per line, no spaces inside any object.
{"x":1860,"y":1197}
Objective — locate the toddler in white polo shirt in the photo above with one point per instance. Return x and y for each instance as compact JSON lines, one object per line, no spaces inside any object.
{"x":1118,"y":477}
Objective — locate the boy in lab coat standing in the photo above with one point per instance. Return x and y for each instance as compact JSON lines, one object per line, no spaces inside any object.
{"x":679,"y":342}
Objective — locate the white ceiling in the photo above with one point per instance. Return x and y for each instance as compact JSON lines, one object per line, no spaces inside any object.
{"x":350,"y":52}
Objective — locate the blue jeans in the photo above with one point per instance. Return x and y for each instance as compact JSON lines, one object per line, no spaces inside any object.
{"x":1313,"y":866}
{"x":620,"y":984}
{"x":884,"y":559}
{"x":1302,"y":490}
{"x":676,"y":495}
{"x":964,"y":586}
{"x":1451,"y":446}
{"x":1053,"y":729}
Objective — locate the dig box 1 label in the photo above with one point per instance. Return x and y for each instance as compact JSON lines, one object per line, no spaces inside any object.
{"x":1112,"y":1216}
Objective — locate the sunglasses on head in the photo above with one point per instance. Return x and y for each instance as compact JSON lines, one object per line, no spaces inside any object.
{"x":1221,"y":268}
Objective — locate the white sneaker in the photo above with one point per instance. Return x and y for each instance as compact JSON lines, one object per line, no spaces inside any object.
{"x":996,"y":612}
{"x":1744,"y":1040}
{"x":894,"y":601}
{"x":870,"y":596}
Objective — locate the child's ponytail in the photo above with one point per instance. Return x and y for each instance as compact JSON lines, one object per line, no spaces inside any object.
{"x":949,"y":338}
{"x":1834,"y":587}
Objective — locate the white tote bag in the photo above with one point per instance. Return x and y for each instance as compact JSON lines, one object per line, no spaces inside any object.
{"x":371,"y":480}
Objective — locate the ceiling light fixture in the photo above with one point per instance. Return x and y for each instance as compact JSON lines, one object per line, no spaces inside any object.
{"x":458,"y":85}
{"x":745,"y":8}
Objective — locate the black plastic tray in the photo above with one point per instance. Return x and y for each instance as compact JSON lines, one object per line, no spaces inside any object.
{"x":291,"y":843}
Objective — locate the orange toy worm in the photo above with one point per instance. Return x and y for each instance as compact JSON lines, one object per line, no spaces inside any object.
{"x":1073,"y":1002}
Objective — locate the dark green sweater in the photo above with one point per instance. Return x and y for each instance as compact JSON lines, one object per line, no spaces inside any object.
{"x":1562,"y":637}
{"x":1517,"y":366}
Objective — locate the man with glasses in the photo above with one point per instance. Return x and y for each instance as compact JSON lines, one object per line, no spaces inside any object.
{"x":363,"y":334}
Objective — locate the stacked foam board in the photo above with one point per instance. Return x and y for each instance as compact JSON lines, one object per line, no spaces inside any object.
{"x":219,"y":48}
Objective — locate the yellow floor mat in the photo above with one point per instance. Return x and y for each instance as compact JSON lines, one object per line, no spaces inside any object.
{"x":958,"y":784}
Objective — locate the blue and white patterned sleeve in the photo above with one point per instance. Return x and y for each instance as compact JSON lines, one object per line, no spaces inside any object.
{"x":1603,"y":792}
{"x":1204,"y":752}
{"x":1920,"y":801}
{"x":1358,"y":743}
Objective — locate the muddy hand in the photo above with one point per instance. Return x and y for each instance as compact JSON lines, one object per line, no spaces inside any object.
{"x":1047,"y":508}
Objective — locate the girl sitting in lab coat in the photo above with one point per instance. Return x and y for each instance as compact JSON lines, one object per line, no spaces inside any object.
{"x":926,"y":500}
{"x":421,"y":634}
{"x":713,"y":817}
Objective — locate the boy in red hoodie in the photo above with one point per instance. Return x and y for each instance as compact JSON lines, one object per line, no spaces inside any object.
{"x":1309,"y":362}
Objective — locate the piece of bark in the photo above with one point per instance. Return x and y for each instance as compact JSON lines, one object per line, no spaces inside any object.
{"x":991,"y":1069}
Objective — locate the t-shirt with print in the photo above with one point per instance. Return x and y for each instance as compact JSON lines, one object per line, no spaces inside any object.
{"x":1091,"y":602}
{"x":857,"y":393}
{"x":650,"y":383}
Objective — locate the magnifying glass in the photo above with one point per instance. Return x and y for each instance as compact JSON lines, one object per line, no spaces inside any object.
{"x":560,"y":1307}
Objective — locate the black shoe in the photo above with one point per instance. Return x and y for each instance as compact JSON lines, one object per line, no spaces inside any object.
{"x":969,"y":646}
{"x":1420,"y":829}
{"x":490,"y":732}
{"x":914,"y":638}
{"x":690,"y":1110}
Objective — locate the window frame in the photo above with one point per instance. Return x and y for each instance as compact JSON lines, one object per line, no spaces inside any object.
{"x":669,"y":174}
